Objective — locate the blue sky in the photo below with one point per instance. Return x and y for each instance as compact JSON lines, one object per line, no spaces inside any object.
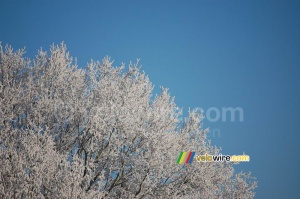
{"x":209,"y":53}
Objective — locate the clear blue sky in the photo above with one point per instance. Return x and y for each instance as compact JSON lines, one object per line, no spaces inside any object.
{"x":209,"y":53}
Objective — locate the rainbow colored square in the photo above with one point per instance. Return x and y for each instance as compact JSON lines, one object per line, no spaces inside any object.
{"x":185,"y":157}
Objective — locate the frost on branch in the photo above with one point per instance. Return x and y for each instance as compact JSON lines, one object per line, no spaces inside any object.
{"x":98,"y":132}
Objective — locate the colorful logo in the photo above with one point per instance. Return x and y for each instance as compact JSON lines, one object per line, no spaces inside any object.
{"x":186,"y":157}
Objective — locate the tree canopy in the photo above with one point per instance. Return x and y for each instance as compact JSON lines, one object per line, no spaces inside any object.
{"x":99,"y":132}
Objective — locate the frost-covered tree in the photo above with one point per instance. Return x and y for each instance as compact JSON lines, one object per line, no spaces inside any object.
{"x":67,"y":132}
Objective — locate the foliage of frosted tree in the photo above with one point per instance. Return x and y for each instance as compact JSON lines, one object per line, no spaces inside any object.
{"x":97,"y":132}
